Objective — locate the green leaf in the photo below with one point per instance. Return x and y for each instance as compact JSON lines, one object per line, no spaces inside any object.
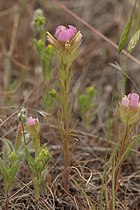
{"x":13,"y":171}
{"x":29,"y":157}
{"x":125,"y":34}
{"x":133,"y":41}
{"x":91,"y":91}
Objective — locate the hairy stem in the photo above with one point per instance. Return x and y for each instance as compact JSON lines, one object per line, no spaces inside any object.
{"x":64,"y":116}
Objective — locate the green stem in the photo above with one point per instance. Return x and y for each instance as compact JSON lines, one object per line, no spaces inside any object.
{"x":103,"y":188}
{"x":6,"y":198}
{"x":36,"y":188}
{"x":112,"y":207}
{"x":36,"y":141}
{"x":124,"y":70}
{"x":117,"y":163}
{"x":24,"y":139}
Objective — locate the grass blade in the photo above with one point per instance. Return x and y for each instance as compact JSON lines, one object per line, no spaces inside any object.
{"x":125,"y":34}
{"x":133,"y":41}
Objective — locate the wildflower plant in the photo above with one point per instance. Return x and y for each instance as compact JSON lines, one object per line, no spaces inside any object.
{"x":37,"y":156}
{"x":66,"y":43}
{"x":129,"y":113}
{"x":9,"y":166}
{"x":37,"y":164}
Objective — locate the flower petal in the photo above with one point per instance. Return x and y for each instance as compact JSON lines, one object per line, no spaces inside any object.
{"x":31,"y":121}
{"x":63,"y":36}
{"x":125,"y":101}
{"x":134,"y":100}
{"x":59,"y":29}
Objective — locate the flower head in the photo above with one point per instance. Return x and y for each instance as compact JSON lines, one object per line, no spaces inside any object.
{"x":31,"y":121}
{"x":64,"y":34}
{"x":43,"y":155}
{"x":129,"y":109}
{"x":132,"y":100}
{"x":33,"y":128}
{"x":38,"y":20}
{"x":66,"y":42}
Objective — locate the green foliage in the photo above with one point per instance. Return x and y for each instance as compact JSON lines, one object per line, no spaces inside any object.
{"x":9,"y":165}
{"x":38,"y":20}
{"x":86,"y":105}
{"x":125,"y":34}
{"x":38,"y":165}
{"x":133,"y":41}
{"x":86,"y":100}
{"x":45,"y":54}
{"x":49,"y":99}
{"x":126,"y":31}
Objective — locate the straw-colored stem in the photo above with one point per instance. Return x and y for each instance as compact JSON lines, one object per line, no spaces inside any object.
{"x":64,"y":116}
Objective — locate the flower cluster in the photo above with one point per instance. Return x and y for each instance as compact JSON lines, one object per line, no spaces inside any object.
{"x":129,"y":109}
{"x":132,"y":100}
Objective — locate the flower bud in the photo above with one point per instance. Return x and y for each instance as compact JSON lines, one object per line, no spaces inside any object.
{"x":38,"y":19}
{"x":22,"y":115}
{"x":32,"y":121}
{"x":41,"y":159}
{"x":44,"y":153}
{"x":33,"y":127}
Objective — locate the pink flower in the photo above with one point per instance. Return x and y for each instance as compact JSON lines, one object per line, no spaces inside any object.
{"x":64,"y":34}
{"x":132,"y":100}
{"x":66,"y":43}
{"x":31,"y":121}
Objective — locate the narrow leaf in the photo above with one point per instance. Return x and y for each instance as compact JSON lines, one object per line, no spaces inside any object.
{"x":133,"y":41}
{"x":125,"y":34}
